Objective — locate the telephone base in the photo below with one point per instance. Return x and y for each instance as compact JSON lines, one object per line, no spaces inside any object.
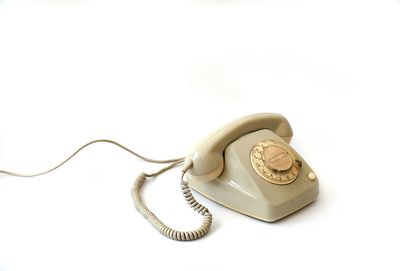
{"x":240,"y":188}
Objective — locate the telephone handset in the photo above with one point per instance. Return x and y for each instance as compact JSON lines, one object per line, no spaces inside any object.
{"x":247,"y":166}
{"x":207,"y":157}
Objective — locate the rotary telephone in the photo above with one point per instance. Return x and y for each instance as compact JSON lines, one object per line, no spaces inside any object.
{"x":247,"y":166}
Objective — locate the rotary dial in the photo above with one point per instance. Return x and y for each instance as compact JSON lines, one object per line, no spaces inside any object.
{"x":274,"y":163}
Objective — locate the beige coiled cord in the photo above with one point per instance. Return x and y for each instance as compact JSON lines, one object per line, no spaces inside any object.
{"x":158,"y":224}
{"x":136,"y":189}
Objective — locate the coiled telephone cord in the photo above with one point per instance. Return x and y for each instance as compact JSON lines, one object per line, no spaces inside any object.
{"x":136,"y":193}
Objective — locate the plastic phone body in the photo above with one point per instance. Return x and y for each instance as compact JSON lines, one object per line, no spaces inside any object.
{"x":249,"y":166}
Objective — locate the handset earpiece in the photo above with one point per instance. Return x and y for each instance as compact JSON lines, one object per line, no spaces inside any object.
{"x":207,"y":158}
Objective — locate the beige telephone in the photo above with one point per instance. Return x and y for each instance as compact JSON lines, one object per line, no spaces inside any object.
{"x":247,"y":166}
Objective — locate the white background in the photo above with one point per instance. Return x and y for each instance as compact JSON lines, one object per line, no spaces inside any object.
{"x":158,"y":76}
